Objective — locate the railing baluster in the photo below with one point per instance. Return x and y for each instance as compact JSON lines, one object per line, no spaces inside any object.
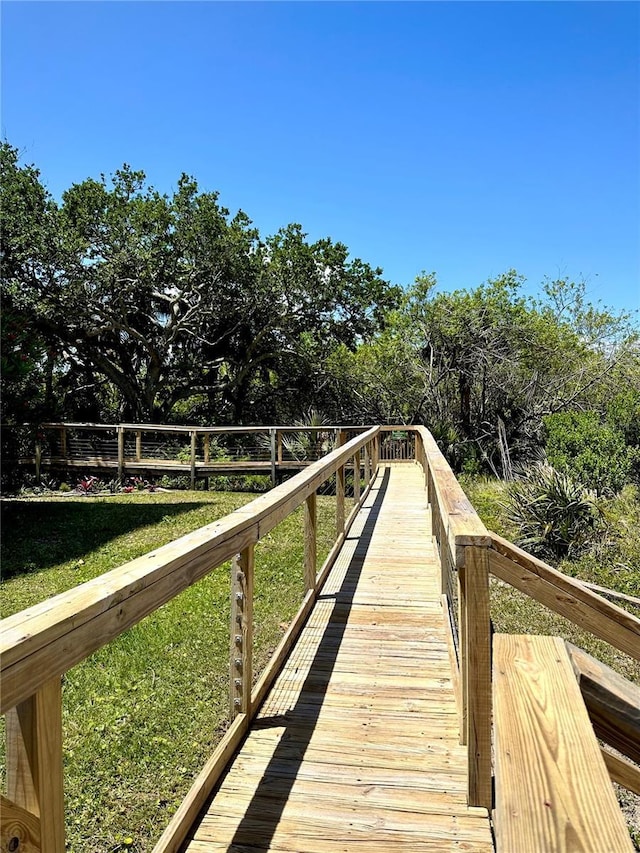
{"x":194,"y":436}
{"x":34,"y":762}
{"x":272,"y":444}
{"x":356,"y":478}
{"x":340,"y":489}
{"x":138,"y":445}
{"x":120,"y":431}
{"x":241,"y":631}
{"x":310,"y":541}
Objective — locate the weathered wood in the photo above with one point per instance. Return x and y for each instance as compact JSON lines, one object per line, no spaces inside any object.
{"x":19,"y":829}
{"x":34,"y":762}
{"x":279,"y":445}
{"x":138,"y":445}
{"x":612,"y":701}
{"x":207,"y":448}
{"x":622,"y":771}
{"x":552,"y":787}
{"x":310,"y":542}
{"x":566,"y":596}
{"x":478,"y":675}
{"x":241,"y":633}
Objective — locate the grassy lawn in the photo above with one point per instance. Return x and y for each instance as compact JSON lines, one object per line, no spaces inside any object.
{"x":143,"y":714}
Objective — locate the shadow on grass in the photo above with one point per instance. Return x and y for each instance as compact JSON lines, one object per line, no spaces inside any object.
{"x":37,"y":535}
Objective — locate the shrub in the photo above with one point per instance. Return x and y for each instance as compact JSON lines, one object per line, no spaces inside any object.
{"x":555,"y":517}
{"x":588,"y":451}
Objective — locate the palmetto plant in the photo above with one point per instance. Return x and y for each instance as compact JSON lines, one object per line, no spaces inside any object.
{"x":309,"y":444}
{"x":556,"y":517}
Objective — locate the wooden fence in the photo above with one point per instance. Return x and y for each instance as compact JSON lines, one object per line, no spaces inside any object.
{"x":41,"y":643}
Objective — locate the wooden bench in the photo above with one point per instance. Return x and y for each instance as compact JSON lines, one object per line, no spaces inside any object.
{"x":553,"y":791}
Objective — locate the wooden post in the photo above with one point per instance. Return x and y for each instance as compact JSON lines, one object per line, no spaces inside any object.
{"x":462,"y":649}
{"x":34,"y":762}
{"x":356,"y":477}
{"x":38,"y":459}
{"x":340,"y":489}
{"x":272,"y":443}
{"x":310,"y":548}
{"x":63,"y":442}
{"x":279,"y":443}
{"x":138,"y":445}
{"x":367,"y":463}
{"x":478,"y":676}
{"x":241,"y":646}
{"x":207,"y":448}
{"x":120,"y":452}
{"x":194,"y":436}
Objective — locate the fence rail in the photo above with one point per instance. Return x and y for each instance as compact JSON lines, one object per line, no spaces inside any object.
{"x":40,"y":644}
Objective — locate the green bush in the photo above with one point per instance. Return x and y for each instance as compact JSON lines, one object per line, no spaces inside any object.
{"x":588,"y":451}
{"x":555,"y":517}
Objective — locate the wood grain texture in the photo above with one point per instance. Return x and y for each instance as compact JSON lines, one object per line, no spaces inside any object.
{"x":34,"y":763}
{"x":356,"y":746}
{"x":477,"y":640}
{"x":19,"y":829}
{"x":613,"y":702}
{"x":623,"y":772}
{"x":565,"y":596}
{"x":553,"y":791}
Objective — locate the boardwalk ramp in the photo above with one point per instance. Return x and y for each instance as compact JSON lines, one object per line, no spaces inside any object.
{"x":356,"y":747}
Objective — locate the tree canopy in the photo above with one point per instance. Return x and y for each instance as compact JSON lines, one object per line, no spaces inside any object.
{"x":120,"y":302}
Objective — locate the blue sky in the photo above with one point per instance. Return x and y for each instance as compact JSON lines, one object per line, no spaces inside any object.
{"x":463,"y":138}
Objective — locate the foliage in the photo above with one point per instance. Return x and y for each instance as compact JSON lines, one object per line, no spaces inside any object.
{"x":156,"y":303}
{"x":554,"y":516}
{"x":587,"y":450}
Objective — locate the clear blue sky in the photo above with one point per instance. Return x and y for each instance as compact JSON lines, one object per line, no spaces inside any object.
{"x":464,"y":138}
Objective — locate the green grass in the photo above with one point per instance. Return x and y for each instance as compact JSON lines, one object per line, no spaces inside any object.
{"x":613,"y":562}
{"x":142,"y":715}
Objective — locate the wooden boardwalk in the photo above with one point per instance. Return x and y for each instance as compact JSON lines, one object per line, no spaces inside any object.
{"x":356,"y":747}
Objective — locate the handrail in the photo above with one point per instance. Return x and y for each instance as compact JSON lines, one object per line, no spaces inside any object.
{"x":463,"y":541}
{"x":50,"y":637}
{"x":566,"y":596}
{"x":41,"y":643}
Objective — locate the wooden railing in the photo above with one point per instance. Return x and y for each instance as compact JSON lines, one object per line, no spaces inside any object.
{"x":462,"y":543}
{"x":189,"y":451}
{"x":38,"y":645}
{"x":468,"y":555}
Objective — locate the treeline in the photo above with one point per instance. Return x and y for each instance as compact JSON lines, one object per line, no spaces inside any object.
{"x":122,"y":303}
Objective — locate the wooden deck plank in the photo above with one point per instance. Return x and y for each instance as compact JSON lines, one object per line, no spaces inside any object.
{"x":552,"y":788}
{"x":356,"y":747}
